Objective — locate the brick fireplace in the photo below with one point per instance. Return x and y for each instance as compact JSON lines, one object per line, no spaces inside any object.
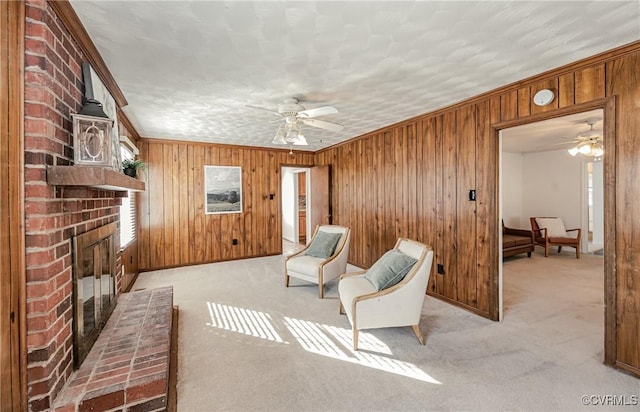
{"x":54,"y":215}
{"x":94,"y":298}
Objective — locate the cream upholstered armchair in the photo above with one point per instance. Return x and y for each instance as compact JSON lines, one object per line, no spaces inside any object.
{"x":371,"y":300}
{"x":323,"y":259}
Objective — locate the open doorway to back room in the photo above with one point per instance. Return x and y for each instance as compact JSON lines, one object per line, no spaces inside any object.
{"x":553,"y":168}
{"x":542,"y":175}
{"x":294,"y":191}
{"x":305,"y":204}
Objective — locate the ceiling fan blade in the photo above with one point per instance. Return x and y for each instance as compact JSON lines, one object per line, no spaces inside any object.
{"x":334,"y":127}
{"x":565,"y":143}
{"x":265,"y":109}
{"x":318,"y":111}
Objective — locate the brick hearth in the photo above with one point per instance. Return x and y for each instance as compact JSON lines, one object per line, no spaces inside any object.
{"x":128,"y":367}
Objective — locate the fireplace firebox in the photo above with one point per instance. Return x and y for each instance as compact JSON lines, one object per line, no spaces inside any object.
{"x":94,"y":273}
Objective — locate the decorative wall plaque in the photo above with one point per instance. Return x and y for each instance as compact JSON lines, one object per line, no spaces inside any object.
{"x":95,"y":91}
{"x":92,"y":140}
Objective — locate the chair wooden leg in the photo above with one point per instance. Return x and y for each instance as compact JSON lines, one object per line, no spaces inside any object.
{"x":559,"y":249}
{"x":355,"y":339}
{"x":546,"y":251}
{"x":577,"y":252}
{"x":286,"y":280}
{"x":416,"y":330}
{"x":321,"y":290}
{"x":341,"y":308}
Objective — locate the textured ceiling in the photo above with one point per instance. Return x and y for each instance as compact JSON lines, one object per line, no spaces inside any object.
{"x":190,"y":68}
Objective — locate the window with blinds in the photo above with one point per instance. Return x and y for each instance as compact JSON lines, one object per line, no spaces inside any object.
{"x":127,"y":210}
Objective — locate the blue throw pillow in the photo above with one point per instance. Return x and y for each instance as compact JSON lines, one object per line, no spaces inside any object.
{"x":390,"y":269}
{"x":323,"y":244}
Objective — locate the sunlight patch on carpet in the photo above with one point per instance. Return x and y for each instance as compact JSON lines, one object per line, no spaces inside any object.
{"x":311,"y":338}
{"x":325,"y":340}
{"x":246,"y":321}
{"x":316,"y":338}
{"x":366,"y":342}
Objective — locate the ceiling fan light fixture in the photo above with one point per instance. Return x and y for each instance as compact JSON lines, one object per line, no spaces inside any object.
{"x":584,"y":148}
{"x":597,"y":150}
{"x":291,"y":136}
{"x":279,"y":137}
{"x":589,"y":142}
{"x":300,"y":141}
{"x":593,"y":148}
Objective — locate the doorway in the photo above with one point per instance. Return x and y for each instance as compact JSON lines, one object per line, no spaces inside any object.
{"x":305,"y":203}
{"x":295,"y":181}
{"x":539,"y":177}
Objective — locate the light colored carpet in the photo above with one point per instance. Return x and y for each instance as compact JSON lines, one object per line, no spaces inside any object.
{"x":247,"y":343}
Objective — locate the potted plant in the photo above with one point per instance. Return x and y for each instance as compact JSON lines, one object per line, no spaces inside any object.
{"x":130,"y":167}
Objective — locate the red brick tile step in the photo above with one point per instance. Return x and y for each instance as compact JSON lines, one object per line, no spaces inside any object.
{"x":128,"y":367}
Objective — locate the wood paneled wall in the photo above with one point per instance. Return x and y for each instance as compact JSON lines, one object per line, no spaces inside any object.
{"x":12,"y":234}
{"x":623,"y":81}
{"x":413,"y":179}
{"x":174,"y":229}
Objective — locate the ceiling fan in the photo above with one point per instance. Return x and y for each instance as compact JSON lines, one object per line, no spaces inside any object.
{"x":588,"y":143}
{"x":295,"y":115}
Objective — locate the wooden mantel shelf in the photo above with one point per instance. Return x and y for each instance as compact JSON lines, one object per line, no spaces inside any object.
{"x":92,"y":176}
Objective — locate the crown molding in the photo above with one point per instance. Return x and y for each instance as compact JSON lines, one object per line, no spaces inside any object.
{"x":72,"y":22}
{"x":126,"y":122}
{"x":288,"y":149}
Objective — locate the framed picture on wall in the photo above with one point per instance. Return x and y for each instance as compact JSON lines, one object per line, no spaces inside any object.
{"x":222,"y":189}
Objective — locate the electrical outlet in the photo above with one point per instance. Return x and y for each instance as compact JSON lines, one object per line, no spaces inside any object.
{"x":234,"y":242}
{"x":440,"y":269}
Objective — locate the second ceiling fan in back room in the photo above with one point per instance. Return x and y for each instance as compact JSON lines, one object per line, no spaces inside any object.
{"x":588,"y":143}
{"x":295,"y":115}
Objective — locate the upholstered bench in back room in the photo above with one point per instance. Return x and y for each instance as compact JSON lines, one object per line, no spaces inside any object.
{"x":516,"y":241}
